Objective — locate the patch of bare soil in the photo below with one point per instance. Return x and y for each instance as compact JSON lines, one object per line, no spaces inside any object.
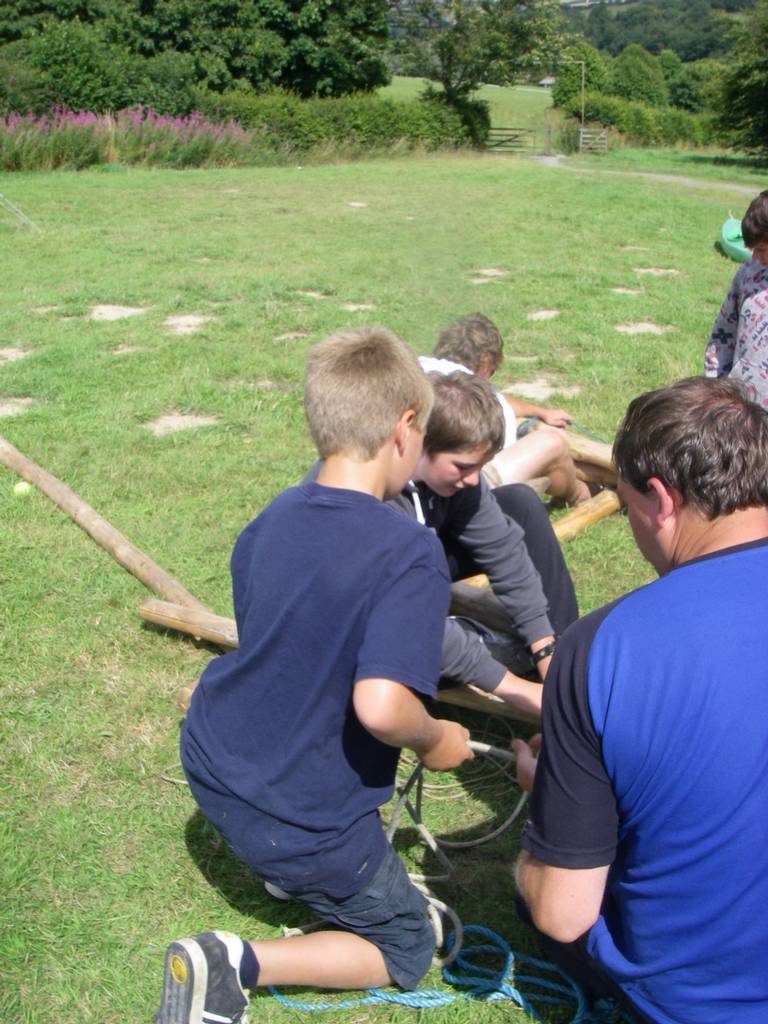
{"x":10,"y":355}
{"x":657,"y":271}
{"x":312,"y":295}
{"x":15,"y":406}
{"x":40,"y":310}
{"x":642,"y":327}
{"x":543,"y":314}
{"x":627,"y":291}
{"x":357,"y":206}
{"x":541,"y":388}
{"x":634,"y":248}
{"x":186,"y":324}
{"x":172,"y":422}
{"x":482,"y":280}
{"x":357,"y":307}
{"x":490,"y":272}
{"x":126,"y":350}
{"x":109,"y":312}
{"x":291,"y":336}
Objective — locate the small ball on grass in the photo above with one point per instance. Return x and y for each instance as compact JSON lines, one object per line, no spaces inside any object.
{"x":21,"y":488}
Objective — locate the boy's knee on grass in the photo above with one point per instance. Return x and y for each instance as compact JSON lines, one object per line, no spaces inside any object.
{"x":389,"y":912}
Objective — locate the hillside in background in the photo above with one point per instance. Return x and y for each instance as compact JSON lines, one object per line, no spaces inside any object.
{"x":694,"y":29}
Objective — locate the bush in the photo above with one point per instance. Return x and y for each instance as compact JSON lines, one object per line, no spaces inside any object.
{"x":22,"y":88}
{"x":280,"y":126}
{"x":287,"y":123}
{"x":168,"y":83}
{"x":81,"y":70}
{"x":643,"y":123}
{"x":637,"y":75}
{"x":569,"y":73}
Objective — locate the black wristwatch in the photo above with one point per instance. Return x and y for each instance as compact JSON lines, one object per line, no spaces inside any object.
{"x":544,"y":652}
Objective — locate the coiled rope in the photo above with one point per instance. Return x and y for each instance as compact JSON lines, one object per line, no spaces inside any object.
{"x":472,"y":972}
{"x":468,"y":966}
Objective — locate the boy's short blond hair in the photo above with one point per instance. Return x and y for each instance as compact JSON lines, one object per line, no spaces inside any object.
{"x":357,"y":385}
{"x":471,"y":341}
{"x":466,"y":414}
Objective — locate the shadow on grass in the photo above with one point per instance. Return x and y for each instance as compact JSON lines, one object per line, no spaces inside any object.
{"x":736,"y":161}
{"x":241,"y":888}
{"x":481,"y":886}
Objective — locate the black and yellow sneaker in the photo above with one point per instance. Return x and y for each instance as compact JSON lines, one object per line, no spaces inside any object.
{"x":201,"y":984}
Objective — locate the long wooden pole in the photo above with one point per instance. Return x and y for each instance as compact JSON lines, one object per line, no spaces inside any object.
{"x":105,"y":535}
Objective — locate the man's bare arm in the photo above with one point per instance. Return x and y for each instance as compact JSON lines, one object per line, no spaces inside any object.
{"x":564,"y":902}
{"x":396,"y":716}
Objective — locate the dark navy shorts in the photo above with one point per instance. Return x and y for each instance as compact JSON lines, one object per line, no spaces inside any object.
{"x":391,"y":913}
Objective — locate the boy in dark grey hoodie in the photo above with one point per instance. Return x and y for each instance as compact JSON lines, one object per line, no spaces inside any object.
{"x":481,"y":531}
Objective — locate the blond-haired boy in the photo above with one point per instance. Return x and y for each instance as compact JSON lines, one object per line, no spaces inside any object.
{"x":291,"y":742}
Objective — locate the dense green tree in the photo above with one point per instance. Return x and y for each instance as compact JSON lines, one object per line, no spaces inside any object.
{"x":636,"y":75}
{"x":325,"y":47}
{"x":459,"y":44}
{"x":693,"y":86}
{"x":568,"y":80}
{"x":19,"y":18}
{"x":694,"y":29}
{"x":743,"y":105}
{"x":81,"y":70}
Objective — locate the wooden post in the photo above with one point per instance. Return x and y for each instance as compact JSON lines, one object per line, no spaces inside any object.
{"x":586,"y":514}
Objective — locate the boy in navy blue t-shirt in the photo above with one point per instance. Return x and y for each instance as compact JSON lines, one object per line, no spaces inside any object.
{"x":291,"y":742}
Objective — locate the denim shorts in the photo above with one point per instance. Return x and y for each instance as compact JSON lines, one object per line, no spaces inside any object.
{"x":391,"y":913}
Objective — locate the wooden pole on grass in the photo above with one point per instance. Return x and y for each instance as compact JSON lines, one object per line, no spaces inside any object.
{"x":105,"y":535}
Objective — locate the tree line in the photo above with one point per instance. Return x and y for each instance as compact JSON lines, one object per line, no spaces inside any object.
{"x":171,"y":55}
{"x":693,"y":29}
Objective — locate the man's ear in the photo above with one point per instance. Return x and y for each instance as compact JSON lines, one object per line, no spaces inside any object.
{"x":669,"y":501}
{"x":404,"y":425}
{"x":485,"y":366}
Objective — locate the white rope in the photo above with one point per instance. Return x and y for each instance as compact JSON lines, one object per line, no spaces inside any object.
{"x":8,"y":205}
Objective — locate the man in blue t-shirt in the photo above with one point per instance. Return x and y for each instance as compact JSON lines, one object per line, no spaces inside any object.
{"x":646,"y":853}
{"x":291,"y":742}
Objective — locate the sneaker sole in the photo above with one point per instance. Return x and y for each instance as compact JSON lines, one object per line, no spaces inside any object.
{"x":185,"y":980}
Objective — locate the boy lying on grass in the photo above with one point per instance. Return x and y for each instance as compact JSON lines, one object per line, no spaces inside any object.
{"x":504,"y":533}
{"x":474,"y":345}
{"x":291,"y":742}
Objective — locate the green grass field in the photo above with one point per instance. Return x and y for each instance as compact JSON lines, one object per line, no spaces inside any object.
{"x":104,"y":859}
{"x":522,"y":106}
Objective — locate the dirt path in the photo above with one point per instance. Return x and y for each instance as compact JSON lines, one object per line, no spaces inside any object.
{"x":667,"y":179}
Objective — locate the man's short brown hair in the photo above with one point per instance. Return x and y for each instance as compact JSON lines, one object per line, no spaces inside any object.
{"x":466,"y":414}
{"x":357,"y":385}
{"x":471,"y":341}
{"x":702,"y":436}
